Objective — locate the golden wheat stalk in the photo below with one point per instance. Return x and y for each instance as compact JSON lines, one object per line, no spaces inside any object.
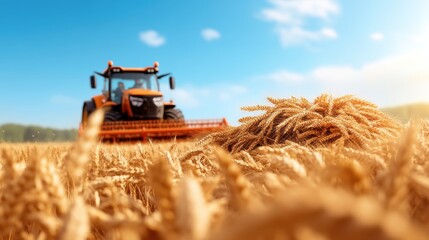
{"x":76,"y":223}
{"x":237,"y":183}
{"x":192,"y":216}
{"x":396,"y":181}
{"x":161,"y":179}
{"x":77,"y":160}
{"x":325,"y":210}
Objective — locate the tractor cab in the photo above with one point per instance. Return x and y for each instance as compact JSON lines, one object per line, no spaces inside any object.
{"x":120,"y":83}
{"x":132,"y":93}
{"x":118,"y":78}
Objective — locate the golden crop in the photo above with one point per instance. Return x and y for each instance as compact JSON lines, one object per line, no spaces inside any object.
{"x":334,"y":168}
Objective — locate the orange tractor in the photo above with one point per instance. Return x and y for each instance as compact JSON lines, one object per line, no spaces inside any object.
{"x":135,"y":108}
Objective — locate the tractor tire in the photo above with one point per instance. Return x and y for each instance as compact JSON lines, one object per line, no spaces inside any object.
{"x":112,"y":116}
{"x":88,"y":108}
{"x":173,"y":114}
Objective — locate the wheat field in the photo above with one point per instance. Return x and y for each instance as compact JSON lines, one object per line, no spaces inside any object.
{"x":331,"y":168}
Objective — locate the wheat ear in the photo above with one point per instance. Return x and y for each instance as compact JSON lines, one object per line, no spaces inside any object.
{"x":77,"y":161}
{"x":76,"y":225}
{"x":192,"y":210}
{"x":236,"y":182}
{"x":161,"y":180}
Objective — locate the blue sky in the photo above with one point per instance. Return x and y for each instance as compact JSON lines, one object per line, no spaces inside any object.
{"x":223,"y":54}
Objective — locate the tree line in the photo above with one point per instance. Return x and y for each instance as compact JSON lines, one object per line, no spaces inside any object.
{"x":20,"y":133}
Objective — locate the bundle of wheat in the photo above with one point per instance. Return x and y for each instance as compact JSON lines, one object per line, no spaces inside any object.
{"x":326,"y":120}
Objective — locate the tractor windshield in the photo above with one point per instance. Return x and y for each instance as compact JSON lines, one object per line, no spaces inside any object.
{"x":126,"y":80}
{"x":135,"y":80}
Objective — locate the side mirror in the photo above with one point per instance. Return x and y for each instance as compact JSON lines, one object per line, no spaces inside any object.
{"x":172,"y":83}
{"x":93,"y":82}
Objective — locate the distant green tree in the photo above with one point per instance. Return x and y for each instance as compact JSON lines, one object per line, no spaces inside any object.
{"x":20,"y":133}
{"x":49,"y":135}
{"x":12,"y":133}
{"x":30,"y":134}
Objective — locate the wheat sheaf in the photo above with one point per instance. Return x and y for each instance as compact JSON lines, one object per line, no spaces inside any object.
{"x":348,"y":120}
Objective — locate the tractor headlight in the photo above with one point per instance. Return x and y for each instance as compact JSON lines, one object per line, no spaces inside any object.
{"x":136,"y":102}
{"x":158,"y":101}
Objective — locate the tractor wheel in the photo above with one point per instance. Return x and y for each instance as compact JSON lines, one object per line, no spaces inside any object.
{"x":85,"y":115}
{"x":173,"y":114}
{"x":88,"y":108}
{"x":112,"y":116}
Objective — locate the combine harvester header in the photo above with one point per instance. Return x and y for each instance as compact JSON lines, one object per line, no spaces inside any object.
{"x":135,"y":108}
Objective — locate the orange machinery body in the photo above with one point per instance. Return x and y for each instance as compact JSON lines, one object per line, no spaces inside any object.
{"x":133,"y":130}
{"x":143,"y":130}
{"x":101,"y":100}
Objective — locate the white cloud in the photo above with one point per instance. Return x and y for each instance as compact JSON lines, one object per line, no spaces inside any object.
{"x":398,"y":79}
{"x":421,"y":38}
{"x":185,"y":98}
{"x":210,"y":34}
{"x":294,"y":11}
{"x":297,"y":35}
{"x":328,"y":33}
{"x":152,"y":38}
{"x":377,"y":37}
{"x":277,"y":16}
{"x":282,"y":76}
{"x":238,"y":89}
{"x":209,"y":101}
{"x":335,"y":74}
{"x":193,"y":97}
{"x":226,"y":93}
{"x":290,"y":16}
{"x":392,"y":80}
